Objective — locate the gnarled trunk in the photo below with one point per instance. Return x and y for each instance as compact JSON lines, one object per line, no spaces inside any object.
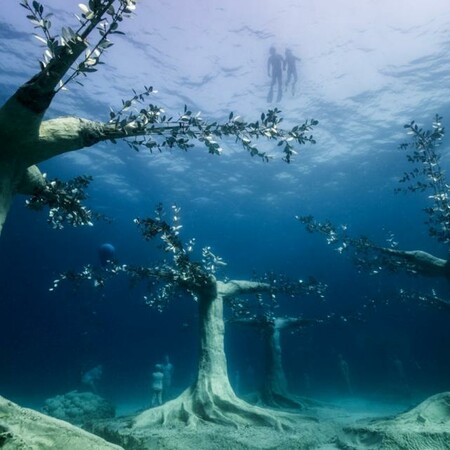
{"x":275,"y":378}
{"x":275,"y":392}
{"x":212,"y":375}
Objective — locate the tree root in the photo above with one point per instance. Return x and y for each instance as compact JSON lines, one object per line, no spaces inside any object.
{"x":275,"y":399}
{"x":195,"y":406}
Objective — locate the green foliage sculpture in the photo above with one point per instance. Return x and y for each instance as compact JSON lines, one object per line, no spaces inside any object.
{"x":28,"y":138}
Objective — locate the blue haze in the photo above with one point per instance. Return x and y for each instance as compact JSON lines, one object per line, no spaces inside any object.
{"x":365,"y":72}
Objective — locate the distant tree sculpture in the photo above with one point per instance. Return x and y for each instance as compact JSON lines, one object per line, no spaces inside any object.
{"x":260,"y":314}
{"x":275,"y":392}
{"x":211,"y":398}
{"x":28,"y":139}
{"x":427,"y":175}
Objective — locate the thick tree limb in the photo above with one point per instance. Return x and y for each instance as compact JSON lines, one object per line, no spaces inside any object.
{"x":280,"y":323}
{"x":418,"y":261}
{"x":238,"y":287}
{"x":289,"y":323}
{"x":32,"y":181}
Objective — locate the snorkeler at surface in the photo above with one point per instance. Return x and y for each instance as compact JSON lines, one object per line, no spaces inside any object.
{"x":290,"y":65}
{"x":275,"y":70}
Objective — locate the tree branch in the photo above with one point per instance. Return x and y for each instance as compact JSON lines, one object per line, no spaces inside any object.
{"x":238,"y":287}
{"x":66,"y":134}
{"x":369,"y":256}
{"x":32,"y":181}
{"x":61,"y":54}
{"x":37,"y":93}
{"x":280,"y":323}
{"x":418,"y":261}
{"x":289,"y":323}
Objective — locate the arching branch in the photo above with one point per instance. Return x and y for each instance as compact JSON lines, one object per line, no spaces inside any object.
{"x":239,"y":287}
{"x":418,"y":261}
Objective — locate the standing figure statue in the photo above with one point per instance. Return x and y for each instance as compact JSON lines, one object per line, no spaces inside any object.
{"x":275,"y":70}
{"x":157,"y":385}
{"x":345,"y":373}
{"x":167,"y":370}
{"x":92,"y":377}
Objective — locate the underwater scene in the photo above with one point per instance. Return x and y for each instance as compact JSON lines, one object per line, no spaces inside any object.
{"x":224,"y":224}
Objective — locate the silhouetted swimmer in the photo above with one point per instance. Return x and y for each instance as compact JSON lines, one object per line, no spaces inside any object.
{"x":106,"y":252}
{"x":290,"y":65}
{"x":275,"y":70}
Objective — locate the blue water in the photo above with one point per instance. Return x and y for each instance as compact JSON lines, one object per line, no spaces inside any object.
{"x":363,"y":75}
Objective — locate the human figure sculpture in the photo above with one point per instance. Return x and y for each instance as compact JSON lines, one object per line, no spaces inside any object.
{"x":345,"y":372}
{"x":157,"y":385}
{"x":167,"y":370}
{"x":92,"y":377}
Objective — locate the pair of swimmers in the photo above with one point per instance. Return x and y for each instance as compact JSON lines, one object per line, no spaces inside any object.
{"x":275,"y":66}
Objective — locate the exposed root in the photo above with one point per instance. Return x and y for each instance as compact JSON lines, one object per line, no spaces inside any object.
{"x":196,"y":406}
{"x":279,"y":400}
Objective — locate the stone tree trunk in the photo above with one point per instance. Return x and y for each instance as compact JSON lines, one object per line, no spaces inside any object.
{"x":275,"y":384}
{"x":274,"y":391}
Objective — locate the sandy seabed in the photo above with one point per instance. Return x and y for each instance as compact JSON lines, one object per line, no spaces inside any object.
{"x":425,"y":427}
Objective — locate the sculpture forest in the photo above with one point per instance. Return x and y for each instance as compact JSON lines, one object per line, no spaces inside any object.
{"x":224,"y":225}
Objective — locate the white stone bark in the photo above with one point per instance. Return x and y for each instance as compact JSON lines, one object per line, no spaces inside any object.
{"x":275,"y":391}
{"x":422,"y":262}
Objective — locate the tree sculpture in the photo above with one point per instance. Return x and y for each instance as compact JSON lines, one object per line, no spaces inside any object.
{"x":275,"y":392}
{"x":260,"y":314}
{"x":211,"y":398}
{"x":427,"y":175}
{"x":28,"y":139}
